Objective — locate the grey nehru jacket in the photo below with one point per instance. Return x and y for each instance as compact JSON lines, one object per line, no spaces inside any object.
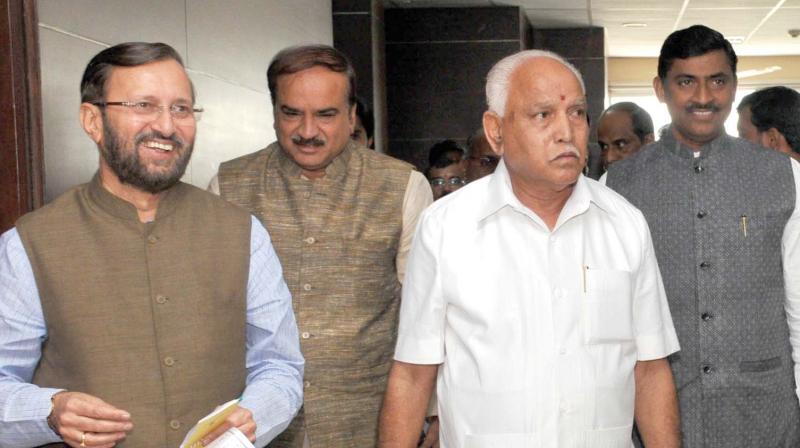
{"x":717,"y":221}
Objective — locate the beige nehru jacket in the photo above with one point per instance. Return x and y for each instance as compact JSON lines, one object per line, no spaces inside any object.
{"x":340,"y":241}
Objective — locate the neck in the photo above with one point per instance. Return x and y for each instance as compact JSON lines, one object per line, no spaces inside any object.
{"x":693,"y":145}
{"x":146,"y":203}
{"x":547,"y":203}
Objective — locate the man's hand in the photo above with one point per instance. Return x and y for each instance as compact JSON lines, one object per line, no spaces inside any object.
{"x":242,"y":419}
{"x":84,"y":420}
{"x":432,"y":435}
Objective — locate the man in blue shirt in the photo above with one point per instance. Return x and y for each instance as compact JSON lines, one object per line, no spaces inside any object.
{"x":132,"y":305}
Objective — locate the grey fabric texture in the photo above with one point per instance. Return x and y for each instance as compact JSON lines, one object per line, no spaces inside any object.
{"x":717,"y":221}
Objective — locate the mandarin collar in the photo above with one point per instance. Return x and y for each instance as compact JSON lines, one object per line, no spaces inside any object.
{"x":679,"y":149}
{"x":124,"y":210}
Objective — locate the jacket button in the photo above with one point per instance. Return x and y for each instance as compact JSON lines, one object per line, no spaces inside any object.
{"x":310,"y":240}
{"x":701,"y":214}
{"x":706,"y":317}
{"x":307,"y":287}
{"x":161,"y":299}
{"x":152,"y":239}
{"x":705,"y":265}
{"x":174,"y":424}
{"x":708,"y":369}
{"x":698,"y":169}
{"x":169,"y":361}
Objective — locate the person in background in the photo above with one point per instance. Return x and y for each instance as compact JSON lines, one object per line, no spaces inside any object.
{"x":446,"y":170}
{"x":623,"y":129}
{"x":481,"y":159}
{"x":771,"y":118}
{"x":364,"y":129}
{"x":133,"y":305}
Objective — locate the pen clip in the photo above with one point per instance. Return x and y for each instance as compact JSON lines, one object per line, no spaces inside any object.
{"x":743,"y":225}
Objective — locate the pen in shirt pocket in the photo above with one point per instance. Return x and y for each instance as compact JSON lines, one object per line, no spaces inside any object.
{"x":584,"y":269}
{"x":744,"y":225}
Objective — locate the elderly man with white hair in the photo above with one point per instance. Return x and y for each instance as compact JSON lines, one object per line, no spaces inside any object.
{"x":534,"y":292}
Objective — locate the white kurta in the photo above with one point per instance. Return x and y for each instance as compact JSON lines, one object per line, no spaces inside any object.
{"x":537,"y":332}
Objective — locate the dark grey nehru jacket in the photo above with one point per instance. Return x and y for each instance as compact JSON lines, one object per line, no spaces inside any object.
{"x":717,"y":222}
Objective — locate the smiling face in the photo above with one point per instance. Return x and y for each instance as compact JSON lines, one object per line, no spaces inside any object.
{"x":616,"y":136}
{"x":313,"y":118}
{"x":543,"y":134}
{"x":148,"y":153}
{"x":698,"y":92}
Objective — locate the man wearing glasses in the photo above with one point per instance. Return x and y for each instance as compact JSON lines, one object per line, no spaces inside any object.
{"x":134,"y":304}
{"x":481,"y":159}
{"x":446,"y":168}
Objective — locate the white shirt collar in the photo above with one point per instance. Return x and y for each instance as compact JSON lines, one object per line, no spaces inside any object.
{"x":500,"y":194}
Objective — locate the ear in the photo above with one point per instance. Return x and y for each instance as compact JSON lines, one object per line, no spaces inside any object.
{"x":352,"y":113}
{"x":493,"y":128}
{"x":658,"y":86}
{"x":649,"y":138}
{"x":772,"y":138}
{"x":92,"y":121}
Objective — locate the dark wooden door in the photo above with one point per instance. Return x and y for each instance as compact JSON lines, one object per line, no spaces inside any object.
{"x":21,"y":161}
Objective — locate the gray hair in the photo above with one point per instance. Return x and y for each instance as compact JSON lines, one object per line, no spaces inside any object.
{"x":498,"y":79}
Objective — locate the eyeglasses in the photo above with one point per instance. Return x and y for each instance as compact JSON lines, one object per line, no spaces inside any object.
{"x":486,"y":160}
{"x":454,"y":181}
{"x":151,"y":111}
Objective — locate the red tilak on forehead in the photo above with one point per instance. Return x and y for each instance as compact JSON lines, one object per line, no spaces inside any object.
{"x":562,"y":97}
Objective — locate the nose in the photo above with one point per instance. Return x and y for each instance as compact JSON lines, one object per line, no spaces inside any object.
{"x":164,"y":123}
{"x":563,"y":125}
{"x":308,"y":126}
{"x":702,"y":93}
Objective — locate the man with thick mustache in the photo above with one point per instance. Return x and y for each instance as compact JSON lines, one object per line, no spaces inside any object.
{"x":341,"y":217}
{"x":725,"y":222}
{"x":133,"y":305}
{"x":533,"y":301}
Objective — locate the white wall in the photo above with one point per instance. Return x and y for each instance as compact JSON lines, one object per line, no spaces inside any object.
{"x":226,"y":46}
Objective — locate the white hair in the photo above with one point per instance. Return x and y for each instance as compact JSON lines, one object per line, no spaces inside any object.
{"x":498,"y":79}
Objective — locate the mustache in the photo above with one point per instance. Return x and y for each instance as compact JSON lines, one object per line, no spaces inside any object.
{"x":153,"y":135}
{"x":570,"y":150}
{"x":313,"y":141}
{"x":694,"y":107}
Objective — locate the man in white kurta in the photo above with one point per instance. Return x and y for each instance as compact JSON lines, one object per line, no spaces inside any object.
{"x":549,"y":327}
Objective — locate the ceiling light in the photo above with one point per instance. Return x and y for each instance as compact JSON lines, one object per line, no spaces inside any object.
{"x":735,"y":40}
{"x":758,"y":71}
{"x":634,"y":25}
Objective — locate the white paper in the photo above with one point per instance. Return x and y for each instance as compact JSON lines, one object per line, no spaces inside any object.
{"x":232,"y":438}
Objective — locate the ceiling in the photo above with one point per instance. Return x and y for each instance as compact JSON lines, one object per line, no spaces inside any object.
{"x":755,"y":27}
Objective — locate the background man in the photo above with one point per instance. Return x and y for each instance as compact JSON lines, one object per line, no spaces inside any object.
{"x":622,"y":130}
{"x":342,"y":218}
{"x":537,"y":291}
{"x":131,"y":306}
{"x":364,"y":129}
{"x":771,"y":118}
{"x":446,"y":168}
{"x":481,"y":160}
{"x":723,"y":213}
